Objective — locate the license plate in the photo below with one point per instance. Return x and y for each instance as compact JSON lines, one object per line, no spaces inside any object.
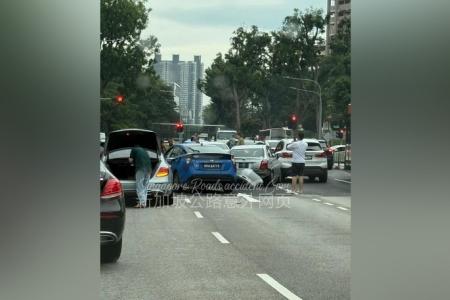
{"x":211,"y":166}
{"x":308,"y":157}
{"x":243,"y":165}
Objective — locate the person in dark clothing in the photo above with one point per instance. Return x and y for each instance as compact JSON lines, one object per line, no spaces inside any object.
{"x":143,"y":169}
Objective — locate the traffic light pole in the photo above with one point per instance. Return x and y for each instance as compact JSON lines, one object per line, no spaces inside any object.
{"x":319,"y":127}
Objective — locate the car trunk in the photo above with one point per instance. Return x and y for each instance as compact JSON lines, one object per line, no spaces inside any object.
{"x":118,"y":148}
{"x":248,"y":162}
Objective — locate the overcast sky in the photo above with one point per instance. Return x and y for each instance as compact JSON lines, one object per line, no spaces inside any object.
{"x":204,"y":27}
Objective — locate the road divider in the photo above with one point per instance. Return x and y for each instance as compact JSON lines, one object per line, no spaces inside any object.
{"x":278,"y":287}
{"x":220,"y":238}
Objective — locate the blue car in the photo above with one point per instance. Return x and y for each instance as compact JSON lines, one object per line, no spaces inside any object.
{"x":201,"y":166}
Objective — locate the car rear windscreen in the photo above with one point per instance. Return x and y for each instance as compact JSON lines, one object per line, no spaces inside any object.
{"x":204,"y":149}
{"x":249,"y":152}
{"x":313,"y":147}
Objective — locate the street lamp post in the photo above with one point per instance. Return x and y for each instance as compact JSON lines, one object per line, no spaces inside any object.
{"x":319,"y":127}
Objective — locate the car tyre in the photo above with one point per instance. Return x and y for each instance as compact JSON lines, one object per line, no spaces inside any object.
{"x":169,"y":199}
{"x":176,"y":183}
{"x":111,"y":253}
{"x":324,"y":176}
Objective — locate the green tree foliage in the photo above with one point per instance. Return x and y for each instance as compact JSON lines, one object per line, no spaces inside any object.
{"x":126,"y":68}
{"x":247,"y":86}
{"x":335,"y":75}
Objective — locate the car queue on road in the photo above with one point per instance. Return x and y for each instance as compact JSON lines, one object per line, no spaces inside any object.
{"x":188,"y":166}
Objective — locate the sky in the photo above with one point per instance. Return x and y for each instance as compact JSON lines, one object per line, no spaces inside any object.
{"x":204,"y":27}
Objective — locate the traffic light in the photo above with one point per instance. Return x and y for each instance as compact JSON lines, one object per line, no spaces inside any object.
{"x":292,"y":122}
{"x":119,"y":99}
{"x":179,"y":127}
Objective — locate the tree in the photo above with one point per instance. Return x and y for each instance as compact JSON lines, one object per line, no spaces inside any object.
{"x":335,"y":74}
{"x":126,"y":67}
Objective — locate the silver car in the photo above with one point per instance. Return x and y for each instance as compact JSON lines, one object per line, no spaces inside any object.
{"x":117,"y":151}
{"x":316,"y":159}
{"x":259,"y":158}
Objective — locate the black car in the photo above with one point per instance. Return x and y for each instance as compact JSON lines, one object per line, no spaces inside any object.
{"x":112,"y":215}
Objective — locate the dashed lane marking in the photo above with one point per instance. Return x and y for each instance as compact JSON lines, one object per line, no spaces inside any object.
{"x":317,"y":200}
{"x":220,"y":238}
{"x":248,"y":198}
{"x":342,"y":208}
{"x":198,"y":214}
{"x":341,"y":180}
{"x":187,"y":201}
{"x":277,"y":286}
{"x":328,"y":203}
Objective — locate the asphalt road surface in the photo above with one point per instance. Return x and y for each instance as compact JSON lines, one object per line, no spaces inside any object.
{"x":246,"y":245}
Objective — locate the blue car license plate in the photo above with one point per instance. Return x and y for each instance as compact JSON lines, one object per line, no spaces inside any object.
{"x":211,"y":166}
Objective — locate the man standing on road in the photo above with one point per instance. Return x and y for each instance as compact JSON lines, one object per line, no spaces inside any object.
{"x":143,"y":169}
{"x":298,"y":149}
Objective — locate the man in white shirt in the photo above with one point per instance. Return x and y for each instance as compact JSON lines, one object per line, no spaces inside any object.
{"x":298,"y":149}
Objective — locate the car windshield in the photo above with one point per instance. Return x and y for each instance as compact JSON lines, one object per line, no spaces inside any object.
{"x":248,"y":152}
{"x":221,"y":135}
{"x":222,"y":146}
{"x":277,"y":133}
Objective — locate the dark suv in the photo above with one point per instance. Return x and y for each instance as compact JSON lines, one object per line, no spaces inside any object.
{"x":112,"y":215}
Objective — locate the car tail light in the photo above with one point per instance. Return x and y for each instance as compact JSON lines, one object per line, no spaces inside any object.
{"x":162,"y":172}
{"x":112,"y":189}
{"x":286,"y":154}
{"x":322,"y":154}
{"x":264,"y":165}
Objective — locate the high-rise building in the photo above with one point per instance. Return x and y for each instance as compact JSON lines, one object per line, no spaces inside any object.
{"x":337,"y":10}
{"x":184,"y":75}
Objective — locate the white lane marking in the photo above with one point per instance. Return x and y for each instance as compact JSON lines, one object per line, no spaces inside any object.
{"x":342,"y":208}
{"x":342,"y":180}
{"x":220,"y":238}
{"x":328,"y":203}
{"x":248,"y":198}
{"x":281,"y":289}
{"x":198,"y":214}
{"x":317,"y":200}
{"x":187,"y":201}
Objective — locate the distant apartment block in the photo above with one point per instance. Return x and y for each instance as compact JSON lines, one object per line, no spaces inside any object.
{"x":183,"y":76}
{"x":337,"y":10}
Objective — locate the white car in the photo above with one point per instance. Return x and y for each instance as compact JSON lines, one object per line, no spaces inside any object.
{"x":316,"y":159}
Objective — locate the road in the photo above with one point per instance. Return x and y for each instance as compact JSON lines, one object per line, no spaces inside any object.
{"x":245,"y":245}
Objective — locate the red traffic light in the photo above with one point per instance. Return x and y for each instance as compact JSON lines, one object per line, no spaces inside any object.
{"x":294,"y":118}
{"x":179,"y":127}
{"x":120,"y":98}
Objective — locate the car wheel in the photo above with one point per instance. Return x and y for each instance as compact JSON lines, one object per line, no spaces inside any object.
{"x":324,"y":176}
{"x":168,"y":200}
{"x":176,"y":183}
{"x":111,"y":253}
{"x":268,"y":179}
